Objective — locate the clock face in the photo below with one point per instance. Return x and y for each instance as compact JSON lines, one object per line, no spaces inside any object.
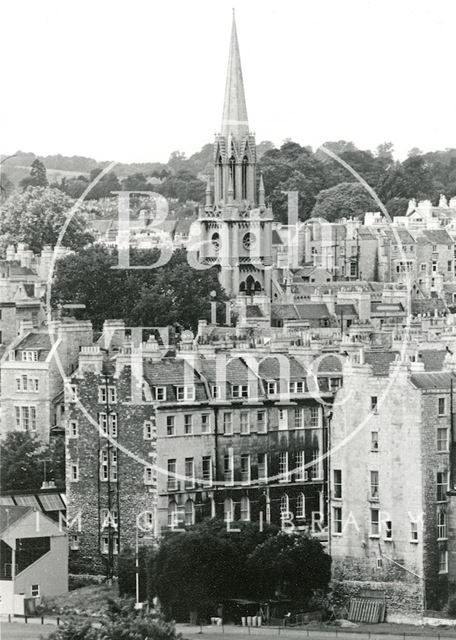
{"x":249,"y":241}
{"x":215,"y":239}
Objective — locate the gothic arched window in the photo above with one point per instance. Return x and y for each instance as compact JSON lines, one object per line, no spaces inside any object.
{"x":233,"y":173}
{"x":244,"y":177}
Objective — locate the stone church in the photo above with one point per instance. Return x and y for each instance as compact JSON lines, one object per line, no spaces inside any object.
{"x":236,"y":223}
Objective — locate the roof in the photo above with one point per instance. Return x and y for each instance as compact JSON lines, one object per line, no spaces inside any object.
{"x":171,"y":372}
{"x":428,"y":305}
{"x":330,"y":364}
{"x":37,"y":341}
{"x":383,"y":308}
{"x":380,"y":361}
{"x":276,"y":239}
{"x":9,"y":515}
{"x":236,"y":371}
{"x":346,"y":309}
{"x":437,"y":236}
{"x":432,"y":359}
{"x":435,"y":380}
{"x":270,"y":369}
{"x":234,"y":119}
{"x":29,"y":290}
{"x":254,"y":311}
{"x":312,"y":310}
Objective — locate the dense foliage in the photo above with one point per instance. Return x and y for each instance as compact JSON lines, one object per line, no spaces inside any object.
{"x":207,"y":564}
{"x":36,"y":216}
{"x":23,"y":459}
{"x":173,"y":294}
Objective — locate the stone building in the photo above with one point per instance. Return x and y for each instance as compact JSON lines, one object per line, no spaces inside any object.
{"x":390,"y":474}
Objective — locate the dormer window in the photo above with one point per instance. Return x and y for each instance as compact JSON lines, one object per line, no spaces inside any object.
{"x":160,"y":393}
{"x":216,"y":392}
{"x":29,"y":356}
{"x":272,"y":388}
{"x":240,"y":391}
{"x":186,"y":392}
{"x":297,"y":387}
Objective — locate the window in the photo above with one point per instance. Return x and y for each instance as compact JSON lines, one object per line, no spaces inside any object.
{"x":301,"y":506}
{"x":245,"y":509}
{"x":189,"y":473}
{"x":296,"y":387}
{"x":449,"y":265}
{"x":205,"y":423}
{"x":374,"y":522}
{"x":314,"y":417}
{"x":262,"y":460}
{"x":227,"y":424}
{"x":245,"y":468}
{"x":374,"y":485}
{"x":413,"y":532}
{"x":188,"y":424}
{"x":299,"y":418}
{"x":337,"y":474}
{"x":388,"y":530}
{"x":261,"y":422}
{"x":228,"y":510}
{"x":170,"y":425}
{"x":300,"y":473}
{"x":317,"y":467}
{"x":109,"y":518}
{"x":73,"y":428}
{"x":185,"y":393}
{"x":283,"y":419}
{"x":74,"y":472}
{"x":103,"y":424}
{"x":374,"y":404}
{"x":108,"y":465}
{"x":284,"y":506}
{"x":240,"y":391}
{"x":35,"y":590}
{"x":245,"y":423}
{"x":207,"y":470}
{"x":442,"y":440}
{"x":74,"y":542}
{"x":423,"y":266}
{"x":72,"y":392}
{"x":29,"y":356}
{"x":172,"y":482}
{"x":442,"y":526}
{"x":337,"y":520}
{"x":160,"y":394}
{"x":173,"y":518}
{"x":189,"y":513}
{"x":148,"y":430}
{"x":442,"y":406}
{"x":149,"y":477}
{"x":442,"y":486}
{"x":105,"y":544}
{"x":228,"y":467}
{"x":283,"y":466}
{"x":113,"y":424}
{"x":25,"y":418}
{"x":272,"y":388}
{"x":111,"y":394}
{"x":24,"y":383}
{"x":443,"y":561}
{"x":374,"y":440}
{"x":216,"y":392}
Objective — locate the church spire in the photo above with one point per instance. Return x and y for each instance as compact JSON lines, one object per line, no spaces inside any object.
{"x":234,"y":119}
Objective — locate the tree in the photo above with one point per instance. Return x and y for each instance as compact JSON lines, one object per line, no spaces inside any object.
{"x":183,"y":186}
{"x":36,"y":217}
{"x":38,"y":177}
{"x":175,"y":293}
{"x":343,"y":201}
{"x":397,"y":207}
{"x":196,"y":569}
{"x":23,"y":458}
{"x":292,"y":565}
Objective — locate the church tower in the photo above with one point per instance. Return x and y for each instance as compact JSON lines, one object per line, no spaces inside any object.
{"x":236,"y":224}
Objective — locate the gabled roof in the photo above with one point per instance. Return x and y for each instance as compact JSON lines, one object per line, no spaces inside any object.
{"x":36,"y":341}
{"x":9,"y":515}
{"x":437,"y":236}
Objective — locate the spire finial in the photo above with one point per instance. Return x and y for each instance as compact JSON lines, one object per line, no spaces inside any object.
{"x":234,"y":119}
{"x":261,"y":200}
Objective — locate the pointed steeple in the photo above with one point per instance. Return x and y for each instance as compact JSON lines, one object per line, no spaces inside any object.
{"x":234,"y":119}
{"x":261,"y":199}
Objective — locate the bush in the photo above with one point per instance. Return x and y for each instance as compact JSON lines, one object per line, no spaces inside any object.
{"x":76,"y":581}
{"x":452,"y":608}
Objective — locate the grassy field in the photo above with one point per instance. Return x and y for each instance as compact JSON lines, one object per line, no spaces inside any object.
{"x":85,"y":601}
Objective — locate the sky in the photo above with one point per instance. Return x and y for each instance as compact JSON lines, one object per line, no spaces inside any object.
{"x":133,"y":81}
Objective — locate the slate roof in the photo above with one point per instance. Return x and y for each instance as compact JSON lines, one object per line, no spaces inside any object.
{"x":346,"y":309}
{"x":35,"y":342}
{"x":237,"y":372}
{"x":276,"y":239}
{"x":435,"y":380}
{"x":428,"y":305}
{"x":172,"y":372}
{"x":269,"y":369}
{"x":254,"y":311}
{"x":330,"y":364}
{"x":432,"y":359}
{"x":313,"y":311}
{"x":437,"y":236}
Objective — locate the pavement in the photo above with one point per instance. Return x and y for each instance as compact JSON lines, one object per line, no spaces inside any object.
{"x":21,"y":631}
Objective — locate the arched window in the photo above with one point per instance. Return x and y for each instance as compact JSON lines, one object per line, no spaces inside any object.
{"x":441,"y":525}
{"x":233,"y":173}
{"x":245,"y":508}
{"x":228,"y":510}
{"x":284,"y":505}
{"x":244,"y":177}
{"x":189,"y":512}
{"x":172,"y":515}
{"x":301,"y":506}
{"x":220,"y":176}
